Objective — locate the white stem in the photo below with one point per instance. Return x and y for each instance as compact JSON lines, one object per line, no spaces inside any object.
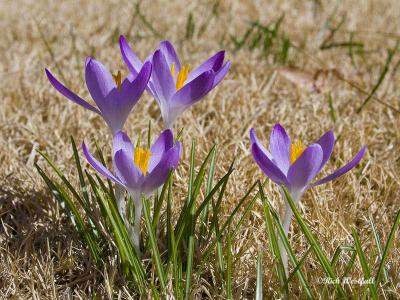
{"x":134,"y":231}
{"x":287,"y":219}
{"x":121,"y":204}
{"x":286,"y":226}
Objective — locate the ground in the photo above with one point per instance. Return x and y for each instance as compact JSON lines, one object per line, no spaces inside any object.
{"x":316,"y":84}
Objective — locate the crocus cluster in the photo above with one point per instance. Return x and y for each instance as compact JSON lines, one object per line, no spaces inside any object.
{"x":175,"y":87}
{"x":138,"y":170}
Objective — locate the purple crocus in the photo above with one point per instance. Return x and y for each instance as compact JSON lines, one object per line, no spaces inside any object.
{"x":141,"y":171}
{"x":295,"y":166}
{"x":114,"y":98}
{"x":173,"y":85}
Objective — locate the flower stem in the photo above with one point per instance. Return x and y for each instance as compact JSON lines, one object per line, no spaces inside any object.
{"x":286,"y":225}
{"x":287,"y":219}
{"x":119,"y":196}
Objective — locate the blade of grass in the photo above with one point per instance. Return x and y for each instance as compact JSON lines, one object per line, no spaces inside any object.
{"x":388,"y":245}
{"x":259,"y":284}
{"x":389,"y":58}
{"x":72,"y":211}
{"x":364,"y":264}
{"x":273,"y":243}
{"x":378,"y":243}
{"x":154,"y":247}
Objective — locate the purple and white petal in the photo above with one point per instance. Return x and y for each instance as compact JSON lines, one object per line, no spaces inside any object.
{"x":214,"y":63}
{"x":280,"y":144}
{"x":220,"y":74}
{"x":170,"y":54}
{"x":327,"y":142}
{"x":193,"y":91}
{"x":163,"y":83}
{"x":121,"y":141}
{"x":305,"y":168}
{"x":69,"y":94}
{"x":254,"y":139}
{"x":98,"y":166}
{"x":99,"y":82}
{"x":131,"y":60}
{"x":125,"y":168}
{"x":159,"y":174}
{"x":163,"y":143}
{"x":267,"y":166}
{"x":344,"y":169}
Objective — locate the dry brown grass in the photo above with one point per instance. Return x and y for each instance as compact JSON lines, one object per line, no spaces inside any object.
{"x":41,"y":256}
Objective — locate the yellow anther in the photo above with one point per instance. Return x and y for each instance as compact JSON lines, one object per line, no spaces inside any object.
{"x":182,"y":76}
{"x":142,"y":158}
{"x":173,"y":70}
{"x":117,"y":78}
{"x":296,"y":150}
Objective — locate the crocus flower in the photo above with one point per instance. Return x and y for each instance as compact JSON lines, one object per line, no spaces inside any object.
{"x":114,"y":98}
{"x":173,"y":85}
{"x":141,"y":171}
{"x":295,"y":166}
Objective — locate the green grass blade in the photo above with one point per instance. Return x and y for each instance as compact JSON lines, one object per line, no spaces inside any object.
{"x":72,"y":211}
{"x":153,"y":242}
{"x":378,"y":243}
{"x":364,"y":264}
{"x":259,"y":284}
{"x":388,"y":245}
{"x":273,"y":243}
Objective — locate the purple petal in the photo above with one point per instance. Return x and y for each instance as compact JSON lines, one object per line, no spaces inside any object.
{"x":159,"y":174}
{"x":120,"y":103}
{"x":69,"y":94}
{"x":162,"y":80}
{"x":280,"y":144}
{"x":220,"y":74}
{"x":254,"y":139}
{"x":98,"y":166}
{"x":121,"y":141}
{"x":194,"y":90}
{"x":305,"y":168}
{"x":99,"y":82}
{"x":214,"y":63}
{"x":188,"y":95}
{"x":170,"y":54}
{"x":131,"y":60}
{"x":125,"y":168}
{"x":163,"y":143}
{"x":267,"y":166}
{"x":327,"y":142}
{"x":344,"y":169}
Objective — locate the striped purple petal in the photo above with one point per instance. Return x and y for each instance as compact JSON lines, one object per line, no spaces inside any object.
{"x":280,"y":144}
{"x":170,"y":55}
{"x":327,"y":142}
{"x":163,"y":143}
{"x":131,"y":60}
{"x":220,"y":74}
{"x":69,"y":94}
{"x":344,"y":169}
{"x":163,"y":83}
{"x":305,"y":168}
{"x":159,"y":174}
{"x":99,"y":82}
{"x":214,"y":63}
{"x":99,"y":167}
{"x":267,"y":166}
{"x":125,"y":168}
